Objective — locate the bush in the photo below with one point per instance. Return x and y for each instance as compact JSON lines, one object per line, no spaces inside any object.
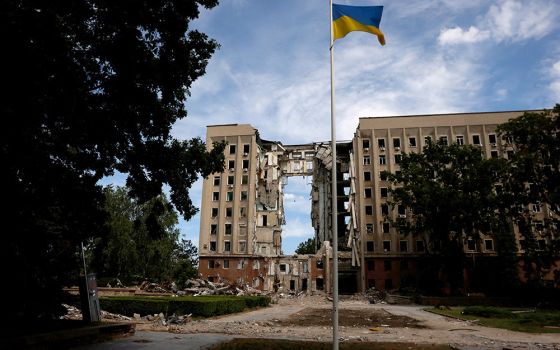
{"x":202,"y":306}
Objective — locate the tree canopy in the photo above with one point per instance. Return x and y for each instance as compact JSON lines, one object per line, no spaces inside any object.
{"x":448,"y":192}
{"x":307,"y":247}
{"x":93,"y":87}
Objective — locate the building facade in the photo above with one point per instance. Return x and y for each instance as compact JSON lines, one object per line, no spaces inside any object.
{"x":242,"y":208}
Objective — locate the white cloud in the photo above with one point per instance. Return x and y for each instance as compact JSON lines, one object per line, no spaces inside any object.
{"x":555,"y":84}
{"x":297,"y":228}
{"x":513,"y":20}
{"x":459,"y":36}
{"x":508,"y":21}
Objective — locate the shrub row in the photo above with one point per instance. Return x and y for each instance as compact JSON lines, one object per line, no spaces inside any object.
{"x":202,"y":306}
{"x":488,"y":312}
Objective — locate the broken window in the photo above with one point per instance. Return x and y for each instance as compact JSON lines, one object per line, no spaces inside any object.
{"x":242,"y":246}
{"x":242,"y":229}
{"x":211,"y":264}
{"x":231,"y":164}
{"x":386,"y":246}
{"x":365,"y":144}
{"x":385,"y":227}
{"x":382,"y":160}
{"x":367,"y":176}
{"x":215,"y":196}
{"x":427,"y":139}
{"x":245,"y":164}
{"x":398,"y":158}
{"x":231,"y":149}
{"x":420,"y":246}
{"x":246,"y":149}
{"x":309,"y":165}
{"x":214,"y":212}
{"x":367,"y":192}
{"x":243,"y":212}
{"x":367,"y":160}
{"x":371,"y":265}
{"x":369,"y":229}
{"x":283,"y":268}
{"x":388,"y":284}
{"x":213,"y":246}
{"x":401,"y":210}
{"x":216,"y":181}
{"x":319,"y":283}
{"x":319,"y":264}
{"x":384,"y":192}
{"x":471,"y":244}
{"x":494,"y":154}
{"x":387,"y":265}
{"x":403,"y":246}
{"x":476,"y":139}
{"x":229,"y":196}
{"x":226,"y":264}
{"x":305,"y":267}
{"x":488,"y":244}
{"x":369,"y":246}
{"x":296,"y":155}
{"x":241,"y":263}
{"x":229,"y":212}
{"x":397,"y":143}
{"x":443,"y":140}
{"x":381,"y":143}
{"x":243,"y":195}
{"x":460,"y":140}
{"x":292,"y":284}
{"x":213,"y":229}
{"x":244,"y":179}
{"x":264,"y":220}
{"x":369,"y":210}
{"x":228,"y":229}
{"x":492,"y":139}
{"x":231,"y":180}
{"x":384,"y":209}
{"x":412,"y":141}
{"x":383,"y":176}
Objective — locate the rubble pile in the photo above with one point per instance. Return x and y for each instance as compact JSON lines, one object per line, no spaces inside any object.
{"x":199,"y":286}
{"x":72,"y":313}
{"x":375,"y":296}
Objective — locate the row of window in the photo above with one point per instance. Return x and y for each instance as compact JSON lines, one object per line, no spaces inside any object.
{"x":246,"y":149}
{"x":366,"y":160}
{"x":420,"y":246}
{"x":243,"y":195}
{"x":459,"y":139}
{"x":229,"y":212}
{"x":231,"y":180}
{"x":228,"y":227}
{"x":231,"y":165}
{"x":241,"y":248}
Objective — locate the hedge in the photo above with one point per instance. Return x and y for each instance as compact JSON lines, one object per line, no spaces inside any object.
{"x":201,"y":306}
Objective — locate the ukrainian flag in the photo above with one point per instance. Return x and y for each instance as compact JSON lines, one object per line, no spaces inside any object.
{"x":347,"y":19}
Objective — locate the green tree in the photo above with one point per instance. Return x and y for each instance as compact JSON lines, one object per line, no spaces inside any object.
{"x":307,"y":247}
{"x":449,"y":192}
{"x":94,"y":86}
{"x":131,"y":252}
{"x":533,"y":181}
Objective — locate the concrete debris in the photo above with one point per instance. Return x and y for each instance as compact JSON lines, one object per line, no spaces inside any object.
{"x":375,"y":296}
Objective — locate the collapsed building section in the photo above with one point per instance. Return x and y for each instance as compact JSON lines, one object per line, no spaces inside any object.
{"x":243,"y":211}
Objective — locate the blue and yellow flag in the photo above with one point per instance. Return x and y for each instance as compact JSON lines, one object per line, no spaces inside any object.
{"x":347,"y":19}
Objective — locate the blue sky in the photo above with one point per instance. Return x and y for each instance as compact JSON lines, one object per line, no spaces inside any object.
{"x":442,"y":56}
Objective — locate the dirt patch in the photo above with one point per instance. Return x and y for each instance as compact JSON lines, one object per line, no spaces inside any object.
{"x":348,"y":318}
{"x":282,"y":344}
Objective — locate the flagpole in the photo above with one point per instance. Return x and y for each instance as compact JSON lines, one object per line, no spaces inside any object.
{"x":334,"y":219}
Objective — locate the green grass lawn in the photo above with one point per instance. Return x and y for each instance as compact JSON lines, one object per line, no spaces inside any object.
{"x":529,"y":321}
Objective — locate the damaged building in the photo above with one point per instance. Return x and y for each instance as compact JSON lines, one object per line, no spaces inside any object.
{"x":242,"y":210}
